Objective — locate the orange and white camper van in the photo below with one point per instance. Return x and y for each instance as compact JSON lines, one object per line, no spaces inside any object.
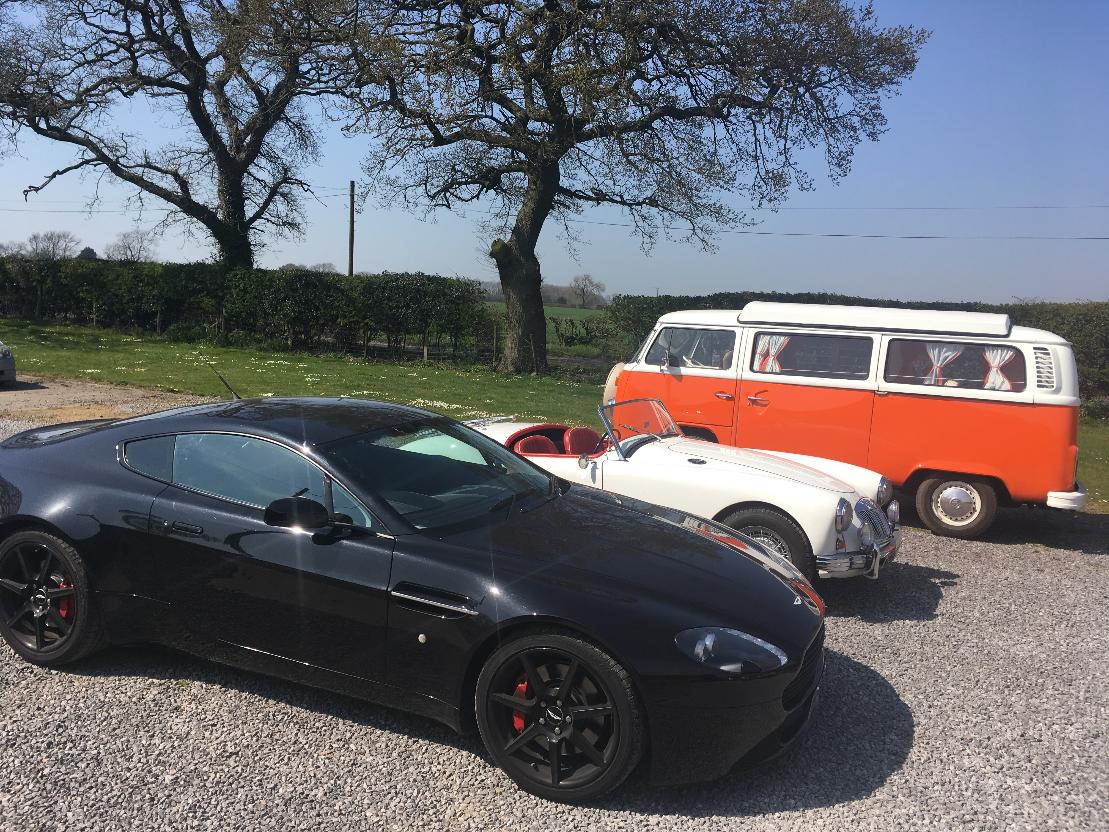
{"x":963,"y":409}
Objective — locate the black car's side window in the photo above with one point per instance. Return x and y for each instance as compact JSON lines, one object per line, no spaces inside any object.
{"x":254,"y":472}
{"x":153,"y":457}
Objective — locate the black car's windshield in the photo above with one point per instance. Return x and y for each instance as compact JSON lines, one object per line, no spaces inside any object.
{"x":436,"y":473}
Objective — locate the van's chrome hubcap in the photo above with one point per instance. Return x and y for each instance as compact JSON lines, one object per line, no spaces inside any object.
{"x":956,"y":503}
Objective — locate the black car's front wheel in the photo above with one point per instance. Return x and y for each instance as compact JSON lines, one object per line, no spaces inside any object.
{"x":46,"y":610}
{"x":559,"y":716}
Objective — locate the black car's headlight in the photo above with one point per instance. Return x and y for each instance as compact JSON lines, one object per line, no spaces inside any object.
{"x":885,"y":491}
{"x":730,"y":650}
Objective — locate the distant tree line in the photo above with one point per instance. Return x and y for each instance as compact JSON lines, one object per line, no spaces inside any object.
{"x":284,"y":309}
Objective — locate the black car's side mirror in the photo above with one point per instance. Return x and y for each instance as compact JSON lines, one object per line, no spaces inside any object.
{"x":297,"y":511}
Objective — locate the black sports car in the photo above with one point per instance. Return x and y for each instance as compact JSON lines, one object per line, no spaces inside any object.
{"x":399,"y":556}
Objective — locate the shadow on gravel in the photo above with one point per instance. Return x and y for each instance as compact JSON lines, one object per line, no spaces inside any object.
{"x":22,"y":385}
{"x":903,"y":592}
{"x":1074,"y":531}
{"x":860,"y":734}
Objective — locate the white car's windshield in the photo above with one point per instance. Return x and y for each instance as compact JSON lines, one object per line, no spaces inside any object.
{"x":638,"y":417}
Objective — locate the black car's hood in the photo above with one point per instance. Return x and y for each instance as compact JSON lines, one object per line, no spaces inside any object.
{"x":622,"y":552}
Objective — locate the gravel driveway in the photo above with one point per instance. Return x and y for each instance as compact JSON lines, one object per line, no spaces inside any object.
{"x":969,"y":688}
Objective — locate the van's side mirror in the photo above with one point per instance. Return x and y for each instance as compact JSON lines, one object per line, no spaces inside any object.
{"x":297,"y":511}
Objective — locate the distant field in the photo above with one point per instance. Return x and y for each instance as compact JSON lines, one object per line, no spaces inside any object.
{"x":559,"y":311}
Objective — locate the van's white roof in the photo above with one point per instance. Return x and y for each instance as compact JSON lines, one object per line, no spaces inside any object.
{"x":868,"y":318}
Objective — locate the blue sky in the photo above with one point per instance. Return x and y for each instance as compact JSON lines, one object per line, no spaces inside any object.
{"x":1009,"y":107}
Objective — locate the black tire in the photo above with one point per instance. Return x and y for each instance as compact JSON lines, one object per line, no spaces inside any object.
{"x":775,"y":530}
{"x":956,"y":506}
{"x":594,"y":728}
{"x":47,"y":613}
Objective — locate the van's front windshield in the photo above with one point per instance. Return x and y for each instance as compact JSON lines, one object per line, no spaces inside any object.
{"x":637,"y":418}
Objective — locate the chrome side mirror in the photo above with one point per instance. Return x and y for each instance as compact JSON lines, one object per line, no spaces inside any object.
{"x":583,"y":461}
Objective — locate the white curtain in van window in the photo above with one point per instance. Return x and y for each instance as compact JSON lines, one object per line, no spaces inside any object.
{"x":941,"y":355}
{"x":767,"y":352}
{"x":997,"y":358}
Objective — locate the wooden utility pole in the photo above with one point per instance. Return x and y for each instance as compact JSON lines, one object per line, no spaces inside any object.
{"x":350,"y":236}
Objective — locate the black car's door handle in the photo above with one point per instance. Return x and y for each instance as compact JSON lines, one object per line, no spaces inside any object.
{"x":186,"y":528}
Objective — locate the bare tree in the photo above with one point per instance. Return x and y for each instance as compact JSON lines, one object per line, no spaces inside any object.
{"x":540,"y":108}
{"x":586,"y":288}
{"x":51,"y":246}
{"x":236,"y":75}
{"x":136,"y":245}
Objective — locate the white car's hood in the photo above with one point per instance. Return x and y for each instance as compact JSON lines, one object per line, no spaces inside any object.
{"x":752,"y":460}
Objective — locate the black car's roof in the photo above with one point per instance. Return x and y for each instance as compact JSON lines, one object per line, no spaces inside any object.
{"x":303,"y":421}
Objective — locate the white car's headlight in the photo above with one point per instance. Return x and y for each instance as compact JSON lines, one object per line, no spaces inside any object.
{"x":844,"y":515}
{"x":731,"y":650}
{"x":885,"y":491}
{"x":893,"y":512}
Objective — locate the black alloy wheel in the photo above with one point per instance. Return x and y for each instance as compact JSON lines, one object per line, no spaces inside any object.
{"x":45,"y":613}
{"x":559,"y":716}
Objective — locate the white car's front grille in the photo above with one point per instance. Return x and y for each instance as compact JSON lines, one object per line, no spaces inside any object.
{"x":867,"y":510}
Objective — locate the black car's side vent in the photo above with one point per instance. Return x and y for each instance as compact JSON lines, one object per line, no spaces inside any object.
{"x":431,"y":601}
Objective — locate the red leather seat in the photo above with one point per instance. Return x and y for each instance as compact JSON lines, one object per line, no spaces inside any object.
{"x":535,"y":445}
{"x":582,"y":441}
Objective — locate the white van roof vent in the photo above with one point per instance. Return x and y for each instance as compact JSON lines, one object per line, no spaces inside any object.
{"x":875,"y":318}
{"x":1045,"y":369}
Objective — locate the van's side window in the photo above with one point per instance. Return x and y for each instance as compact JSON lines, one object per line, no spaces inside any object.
{"x":956,"y":364}
{"x":818,"y":356}
{"x":711,"y":349}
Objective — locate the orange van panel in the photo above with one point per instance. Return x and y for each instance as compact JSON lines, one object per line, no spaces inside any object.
{"x":691,"y":400}
{"x":832,"y":422}
{"x":1031,"y":448}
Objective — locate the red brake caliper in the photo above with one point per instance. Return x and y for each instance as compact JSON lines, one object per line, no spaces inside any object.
{"x":64,"y":609}
{"x":522,"y":693}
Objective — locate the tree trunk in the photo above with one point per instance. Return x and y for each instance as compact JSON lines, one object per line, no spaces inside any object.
{"x":233,"y":234}
{"x":525,"y":343}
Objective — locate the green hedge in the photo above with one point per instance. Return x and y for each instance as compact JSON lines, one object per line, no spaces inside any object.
{"x":281,"y":309}
{"x":1085,"y":325}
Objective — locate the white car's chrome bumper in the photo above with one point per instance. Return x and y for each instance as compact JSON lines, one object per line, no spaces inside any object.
{"x":861,"y":562}
{"x":1073,"y":500}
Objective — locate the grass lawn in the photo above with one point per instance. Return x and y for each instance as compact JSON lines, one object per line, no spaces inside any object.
{"x":461,"y":391}
{"x":1093,"y":462}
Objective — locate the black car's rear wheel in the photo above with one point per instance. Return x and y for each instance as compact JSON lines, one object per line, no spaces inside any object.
{"x":559,"y":716}
{"x":46,"y":613}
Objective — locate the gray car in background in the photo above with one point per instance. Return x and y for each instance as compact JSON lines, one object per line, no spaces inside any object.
{"x":7,"y":364}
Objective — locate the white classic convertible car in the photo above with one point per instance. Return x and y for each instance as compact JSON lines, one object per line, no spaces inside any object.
{"x":825,"y":516}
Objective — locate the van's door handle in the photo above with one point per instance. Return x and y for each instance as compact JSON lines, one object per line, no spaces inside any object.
{"x":758,"y":400}
{"x":187,"y":528}
{"x":725,"y":396}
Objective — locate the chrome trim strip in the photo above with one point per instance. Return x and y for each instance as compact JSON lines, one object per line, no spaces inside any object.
{"x":419,"y":599}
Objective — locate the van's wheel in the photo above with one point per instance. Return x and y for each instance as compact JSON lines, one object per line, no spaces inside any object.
{"x":47,"y":614}
{"x":956,"y":506}
{"x":560,"y":717}
{"x":777,"y":532}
